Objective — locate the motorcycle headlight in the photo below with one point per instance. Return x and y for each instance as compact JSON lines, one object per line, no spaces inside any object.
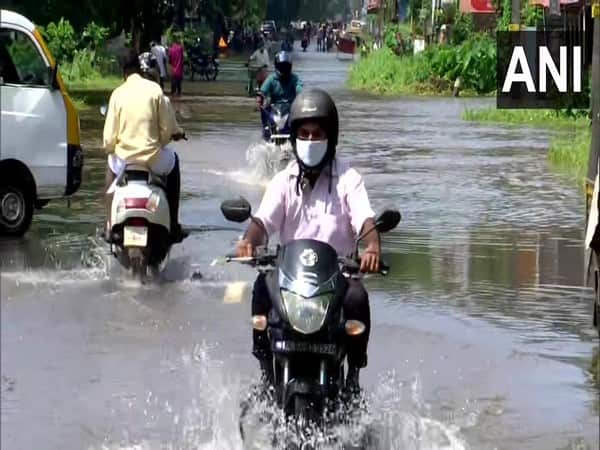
{"x":306,"y":315}
{"x":280,"y":120}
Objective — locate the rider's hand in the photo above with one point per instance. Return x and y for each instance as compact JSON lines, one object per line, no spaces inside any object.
{"x":244,"y":249}
{"x":259,"y":101}
{"x":369,"y":260}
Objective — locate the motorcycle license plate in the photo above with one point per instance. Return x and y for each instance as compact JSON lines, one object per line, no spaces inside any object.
{"x":280,"y":136}
{"x":135,"y":236}
{"x":304,"y":347}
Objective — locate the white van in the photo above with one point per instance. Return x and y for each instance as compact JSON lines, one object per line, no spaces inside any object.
{"x":40,"y":151}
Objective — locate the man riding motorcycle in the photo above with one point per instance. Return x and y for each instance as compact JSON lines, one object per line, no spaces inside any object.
{"x":140,"y":122}
{"x":280,"y":87}
{"x":320,"y":197}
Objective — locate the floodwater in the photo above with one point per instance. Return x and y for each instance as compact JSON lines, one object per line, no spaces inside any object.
{"x":482,"y":334}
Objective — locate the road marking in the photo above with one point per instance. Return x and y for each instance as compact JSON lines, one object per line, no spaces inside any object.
{"x":235,"y":292}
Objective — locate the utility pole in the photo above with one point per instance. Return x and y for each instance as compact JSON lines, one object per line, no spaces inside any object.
{"x":515,"y":16}
{"x":594,"y":261}
{"x":595,"y":107}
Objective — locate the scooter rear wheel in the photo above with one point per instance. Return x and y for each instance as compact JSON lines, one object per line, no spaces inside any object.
{"x":138,"y":263}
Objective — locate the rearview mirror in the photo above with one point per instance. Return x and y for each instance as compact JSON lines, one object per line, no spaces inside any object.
{"x":53,"y":74}
{"x":103,"y":110}
{"x":388,"y":220}
{"x":238,"y":210}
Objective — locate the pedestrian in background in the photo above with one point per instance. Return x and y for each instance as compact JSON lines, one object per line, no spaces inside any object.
{"x":160,"y":53}
{"x":176,"y":62}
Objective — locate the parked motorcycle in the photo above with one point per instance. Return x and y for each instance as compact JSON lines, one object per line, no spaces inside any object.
{"x":306,"y":325}
{"x":205,"y":66}
{"x":140,"y":221}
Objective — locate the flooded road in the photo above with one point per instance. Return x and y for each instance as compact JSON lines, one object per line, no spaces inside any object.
{"x":481,"y":335}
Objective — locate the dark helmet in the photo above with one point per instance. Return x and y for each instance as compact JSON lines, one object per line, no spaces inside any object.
{"x":317,"y":105}
{"x":283,"y":63}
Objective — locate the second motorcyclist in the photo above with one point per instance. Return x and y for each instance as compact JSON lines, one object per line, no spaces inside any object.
{"x":280,"y":87}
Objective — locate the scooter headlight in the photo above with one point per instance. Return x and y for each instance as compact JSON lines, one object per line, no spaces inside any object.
{"x":306,"y":315}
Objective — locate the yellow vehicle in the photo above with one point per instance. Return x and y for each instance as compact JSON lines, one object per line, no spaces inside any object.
{"x":40,"y":156}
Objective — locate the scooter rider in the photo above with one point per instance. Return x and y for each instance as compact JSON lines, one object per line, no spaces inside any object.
{"x":140,"y":122}
{"x":320,"y":197}
{"x":281,"y":86}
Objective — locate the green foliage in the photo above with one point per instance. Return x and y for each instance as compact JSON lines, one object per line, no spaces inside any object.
{"x":463,"y":29}
{"x":435,"y":69}
{"x":533,"y":117}
{"x":570,"y":153}
{"x":474,"y":61}
{"x":79,"y":59}
{"x":61,"y":39}
{"x":532,"y":14}
{"x":94,"y":35}
{"x":390,"y":39}
{"x":505,"y":7}
{"x":382,"y":72}
{"x":414,"y":8}
{"x":82,"y":67}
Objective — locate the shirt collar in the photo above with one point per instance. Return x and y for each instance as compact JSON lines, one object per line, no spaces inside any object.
{"x":134,"y":77}
{"x":293,"y":169}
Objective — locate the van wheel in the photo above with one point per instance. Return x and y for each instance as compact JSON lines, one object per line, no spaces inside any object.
{"x":16,"y":210}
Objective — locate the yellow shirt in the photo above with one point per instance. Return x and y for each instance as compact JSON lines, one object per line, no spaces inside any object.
{"x":139,"y":122}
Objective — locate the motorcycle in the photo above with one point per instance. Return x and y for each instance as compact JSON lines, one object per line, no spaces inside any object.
{"x":277,"y":127}
{"x":140,"y":221}
{"x":276,"y":132}
{"x":306,"y":325}
{"x":205,"y":66}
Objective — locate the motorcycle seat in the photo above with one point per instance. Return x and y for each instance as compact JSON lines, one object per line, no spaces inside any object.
{"x":138,"y":172}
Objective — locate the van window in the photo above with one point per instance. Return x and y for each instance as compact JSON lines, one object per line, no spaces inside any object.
{"x":20,"y":60}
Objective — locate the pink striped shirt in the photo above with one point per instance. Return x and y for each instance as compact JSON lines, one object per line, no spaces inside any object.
{"x":335,"y":218}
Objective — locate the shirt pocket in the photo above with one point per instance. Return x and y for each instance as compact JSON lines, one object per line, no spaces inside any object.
{"x":330,"y":227}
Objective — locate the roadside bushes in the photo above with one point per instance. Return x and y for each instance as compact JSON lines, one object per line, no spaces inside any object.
{"x":80,"y":58}
{"x":433,"y":70}
{"x":473,"y":61}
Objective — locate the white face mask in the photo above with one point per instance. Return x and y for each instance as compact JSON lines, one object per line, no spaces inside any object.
{"x":311,"y":153}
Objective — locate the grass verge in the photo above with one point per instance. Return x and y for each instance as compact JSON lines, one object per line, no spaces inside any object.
{"x":533,"y":117}
{"x":571,"y":153}
{"x":568,"y":152}
{"x":92,"y":92}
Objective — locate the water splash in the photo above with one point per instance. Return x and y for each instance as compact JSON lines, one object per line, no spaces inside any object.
{"x":210,"y":419}
{"x":266,"y":159}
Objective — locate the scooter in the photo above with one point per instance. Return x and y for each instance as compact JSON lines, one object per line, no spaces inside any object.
{"x":306,"y":325}
{"x":140,"y":220}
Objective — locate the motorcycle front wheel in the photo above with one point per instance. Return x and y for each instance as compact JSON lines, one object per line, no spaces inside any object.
{"x":305,"y":410}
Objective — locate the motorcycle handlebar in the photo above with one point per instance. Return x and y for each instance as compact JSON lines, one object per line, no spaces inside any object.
{"x":352,"y":266}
